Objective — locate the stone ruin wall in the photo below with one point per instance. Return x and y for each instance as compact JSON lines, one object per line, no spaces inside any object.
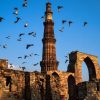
{"x":11,"y":84}
{"x":50,"y":86}
{"x":75,"y":64}
{"x":59,"y":84}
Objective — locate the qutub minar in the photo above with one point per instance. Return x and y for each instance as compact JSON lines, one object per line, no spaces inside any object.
{"x":49,"y":62}
{"x":50,"y":83}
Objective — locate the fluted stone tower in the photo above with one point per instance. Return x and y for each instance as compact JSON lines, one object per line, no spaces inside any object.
{"x":49,"y":62}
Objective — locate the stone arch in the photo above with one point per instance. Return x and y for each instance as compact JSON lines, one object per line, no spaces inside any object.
{"x":91,"y":68}
{"x":55,"y":86}
{"x":75,"y":65}
{"x":56,"y":79}
{"x":54,"y":74}
{"x":71,"y":87}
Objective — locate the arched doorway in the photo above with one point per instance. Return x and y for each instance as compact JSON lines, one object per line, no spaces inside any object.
{"x":48,"y":95}
{"x":72,"y":88}
{"x":56,"y":79}
{"x":56,"y":86}
{"x":55,"y":75}
{"x":91,"y":69}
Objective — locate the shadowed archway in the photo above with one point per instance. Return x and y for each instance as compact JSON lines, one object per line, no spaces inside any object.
{"x":91,"y":68}
{"x":56,"y":86}
{"x":76,"y":59}
{"x":55,"y":75}
{"x":72,"y":88}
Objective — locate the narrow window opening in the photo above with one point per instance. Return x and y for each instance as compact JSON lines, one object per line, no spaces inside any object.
{"x":8,"y":82}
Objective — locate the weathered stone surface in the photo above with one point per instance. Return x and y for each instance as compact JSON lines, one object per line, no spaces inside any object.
{"x":75,"y":65}
{"x":51,"y":84}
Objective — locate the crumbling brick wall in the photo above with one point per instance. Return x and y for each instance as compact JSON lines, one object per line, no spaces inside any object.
{"x":12,"y":84}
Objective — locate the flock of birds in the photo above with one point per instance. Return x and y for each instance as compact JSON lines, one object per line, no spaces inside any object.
{"x":20,"y":35}
{"x":33,"y":34}
{"x":69,"y":22}
{"x":65,"y":21}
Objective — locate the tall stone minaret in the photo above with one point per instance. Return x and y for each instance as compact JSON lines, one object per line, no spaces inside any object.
{"x":49,"y":62}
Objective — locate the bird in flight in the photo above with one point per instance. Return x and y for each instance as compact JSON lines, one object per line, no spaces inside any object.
{"x":31,"y":54}
{"x":25,"y":3}
{"x":23,"y":68}
{"x":29,"y":45}
{"x":25,"y":56}
{"x":24,"y":62}
{"x":8,"y":37}
{"x":32,"y":34}
{"x":35,"y":64}
{"x":85,"y":23}
{"x":21,"y":34}
{"x":64,"y":21}
{"x":70,"y":22}
{"x":17,"y":19}
{"x":19,"y":39}
{"x":59,"y":8}
{"x":36,"y":54}
{"x":62,"y":29}
{"x":43,"y":17}
{"x":26,"y":25}
{"x":66,"y":61}
{"x":19,"y":57}
{"x":16,"y":11}
{"x":5,"y":46}
{"x":1,"y":19}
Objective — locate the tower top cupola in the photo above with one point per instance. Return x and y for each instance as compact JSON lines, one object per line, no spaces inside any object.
{"x":48,"y":13}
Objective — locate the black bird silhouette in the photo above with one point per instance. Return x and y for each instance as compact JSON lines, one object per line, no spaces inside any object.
{"x":85,"y":23}
{"x":32,"y":34}
{"x":70,"y":22}
{"x":66,"y":61}
{"x":5,"y":46}
{"x":1,"y":19}
{"x":25,"y":3}
{"x":25,"y":56}
{"x":17,"y":19}
{"x":15,"y":8}
{"x":29,"y":45}
{"x":31,"y":54}
{"x":21,"y":34}
{"x":19,"y":39}
{"x":64,"y":21}
{"x":23,"y":68}
{"x":19,"y":57}
{"x":8,"y":37}
{"x":59,"y":7}
{"x":62,"y":29}
{"x":24,"y":62}
{"x":26,"y":25}
{"x":36,"y":54}
{"x":16,"y":11}
{"x":66,"y":56}
{"x":42,"y":17}
{"x":35,"y":64}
